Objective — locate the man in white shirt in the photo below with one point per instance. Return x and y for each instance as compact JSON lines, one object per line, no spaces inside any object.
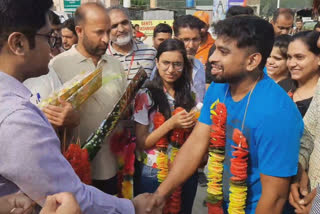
{"x":93,"y":28}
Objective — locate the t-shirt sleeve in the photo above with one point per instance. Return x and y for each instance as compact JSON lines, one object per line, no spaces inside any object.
{"x":207,"y":102}
{"x":278,"y":141}
{"x":142,"y":105}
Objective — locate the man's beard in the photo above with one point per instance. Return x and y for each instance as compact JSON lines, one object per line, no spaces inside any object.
{"x":92,"y":49}
{"x":124,"y":40}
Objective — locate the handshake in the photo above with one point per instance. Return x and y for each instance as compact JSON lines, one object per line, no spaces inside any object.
{"x":65,"y":203}
{"x":149,"y":203}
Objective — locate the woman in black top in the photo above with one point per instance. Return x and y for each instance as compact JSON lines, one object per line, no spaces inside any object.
{"x":303,"y":63}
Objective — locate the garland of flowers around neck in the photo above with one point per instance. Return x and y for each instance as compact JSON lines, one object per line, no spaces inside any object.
{"x":239,"y":164}
{"x":162,"y":147}
{"x":216,"y":158}
{"x":177,"y":139}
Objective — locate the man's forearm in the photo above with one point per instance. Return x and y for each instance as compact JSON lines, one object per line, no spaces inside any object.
{"x":188,"y":159}
{"x":266,"y":205}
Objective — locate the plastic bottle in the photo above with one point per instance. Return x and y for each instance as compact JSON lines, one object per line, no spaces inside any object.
{"x":196,"y":110}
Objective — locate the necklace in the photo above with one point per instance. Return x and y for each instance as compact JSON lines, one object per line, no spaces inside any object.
{"x":239,"y":164}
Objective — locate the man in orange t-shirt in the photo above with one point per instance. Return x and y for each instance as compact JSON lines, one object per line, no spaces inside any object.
{"x":206,"y":39}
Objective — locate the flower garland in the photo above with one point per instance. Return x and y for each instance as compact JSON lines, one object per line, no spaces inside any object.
{"x":239,"y":164}
{"x":216,"y":158}
{"x":79,"y":160}
{"x":177,"y":139}
{"x":161,"y":146}
{"x":123,"y":146}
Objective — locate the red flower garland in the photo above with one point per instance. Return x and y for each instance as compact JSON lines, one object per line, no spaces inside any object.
{"x":178,"y":137}
{"x":123,"y":146}
{"x":162,"y":146}
{"x":79,"y":160}
{"x":215,"y":162}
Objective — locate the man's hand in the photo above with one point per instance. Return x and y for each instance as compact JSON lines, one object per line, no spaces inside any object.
{"x":62,"y":203}
{"x":306,"y":202}
{"x":20,"y":204}
{"x":299,"y":188}
{"x":155,"y":202}
{"x":62,"y":116}
{"x":141,"y":201}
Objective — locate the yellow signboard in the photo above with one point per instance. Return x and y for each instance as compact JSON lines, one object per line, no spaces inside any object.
{"x":147,"y":26}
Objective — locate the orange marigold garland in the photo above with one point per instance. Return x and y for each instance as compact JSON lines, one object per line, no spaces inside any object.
{"x":238,"y":168}
{"x":162,"y":146}
{"x":177,"y":139}
{"x":216,"y":158}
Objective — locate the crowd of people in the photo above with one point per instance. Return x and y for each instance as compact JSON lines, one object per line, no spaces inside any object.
{"x":256,"y":85}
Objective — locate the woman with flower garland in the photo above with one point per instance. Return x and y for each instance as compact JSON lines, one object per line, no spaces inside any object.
{"x":249,"y":125}
{"x":170,"y":88}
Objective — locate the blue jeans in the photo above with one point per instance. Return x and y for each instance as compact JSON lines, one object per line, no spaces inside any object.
{"x":149,"y":183}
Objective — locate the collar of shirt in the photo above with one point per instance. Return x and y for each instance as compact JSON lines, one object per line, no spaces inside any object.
{"x":113,"y":52}
{"x":78,"y":57}
{"x":196,"y":66}
{"x":9,"y":84}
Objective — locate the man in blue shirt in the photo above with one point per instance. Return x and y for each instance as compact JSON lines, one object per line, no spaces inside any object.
{"x":30,"y":157}
{"x":256,"y":105}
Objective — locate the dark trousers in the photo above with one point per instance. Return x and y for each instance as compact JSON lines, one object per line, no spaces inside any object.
{"x":107,"y":186}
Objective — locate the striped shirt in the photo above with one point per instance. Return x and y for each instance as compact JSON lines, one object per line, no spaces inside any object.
{"x":140,"y":55}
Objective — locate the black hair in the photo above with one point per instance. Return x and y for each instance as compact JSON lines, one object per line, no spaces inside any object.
{"x":53,"y":18}
{"x":239,"y":10}
{"x":162,"y":28}
{"x":317,"y":26}
{"x":69,"y":24}
{"x":27,"y":17}
{"x":187,"y":21}
{"x":282,"y":42}
{"x":249,"y":32}
{"x":136,"y":25}
{"x":310,"y":39}
{"x":288,"y":13}
{"x":298,"y":19}
{"x":80,"y":14}
{"x":182,"y":86}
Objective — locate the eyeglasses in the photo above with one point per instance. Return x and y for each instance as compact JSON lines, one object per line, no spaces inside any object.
{"x":178,"y":66}
{"x":52,"y":40}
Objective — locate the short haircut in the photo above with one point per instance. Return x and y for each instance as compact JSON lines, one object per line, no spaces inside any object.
{"x":162,"y":28}
{"x":27,"y":17}
{"x":187,"y":21}
{"x":136,"y":25}
{"x":282,"y":42}
{"x":310,"y":39}
{"x":317,"y":26}
{"x":249,"y":32}
{"x":119,"y":8}
{"x":298,"y":19}
{"x":80,"y":14}
{"x":288,"y":14}
{"x":69,"y":24}
{"x":239,"y":10}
